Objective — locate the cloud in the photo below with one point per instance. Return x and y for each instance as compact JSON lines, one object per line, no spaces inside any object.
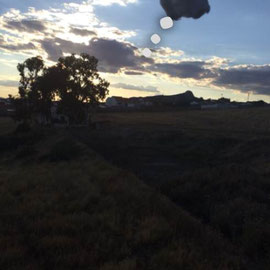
{"x":82,"y":32}
{"x":52,"y":48}
{"x":134,"y":73}
{"x":111,"y":2}
{"x":185,"y":69}
{"x":113,"y":55}
{"x":61,"y":23}
{"x":219,"y":73}
{"x":25,"y":25}
{"x":49,"y":33}
{"x":245,"y":78}
{"x":9,"y":83}
{"x":19,"y":47}
{"x":177,"y":9}
{"x":150,"y":89}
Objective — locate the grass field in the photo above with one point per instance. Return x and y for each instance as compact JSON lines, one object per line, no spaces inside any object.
{"x":181,"y":190}
{"x":213,"y":164}
{"x":254,"y":120}
{"x":7,"y":125}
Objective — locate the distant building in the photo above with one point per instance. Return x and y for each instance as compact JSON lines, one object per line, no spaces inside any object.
{"x":120,"y":102}
{"x":213,"y":106}
{"x":102,"y":105}
{"x":116,"y":102}
{"x":183,"y":99}
{"x":131,"y":105}
{"x":6,"y":108}
{"x":186,"y":99}
{"x":209,"y":106}
{"x":224,"y":100}
{"x":139,"y":102}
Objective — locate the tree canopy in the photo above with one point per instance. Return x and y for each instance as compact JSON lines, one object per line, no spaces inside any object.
{"x":74,"y":82}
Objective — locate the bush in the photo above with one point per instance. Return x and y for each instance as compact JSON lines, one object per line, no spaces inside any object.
{"x":64,"y":150}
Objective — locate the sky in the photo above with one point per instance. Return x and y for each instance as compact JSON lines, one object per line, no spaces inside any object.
{"x":224,"y":53}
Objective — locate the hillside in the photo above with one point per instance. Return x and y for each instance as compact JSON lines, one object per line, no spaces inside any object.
{"x":64,"y":207}
{"x":150,"y":190}
{"x":179,"y":99}
{"x":214,"y":165}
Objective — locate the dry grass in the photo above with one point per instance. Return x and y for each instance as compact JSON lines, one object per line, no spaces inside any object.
{"x":248,"y":121}
{"x":86,"y":213}
{"x":6,"y":125}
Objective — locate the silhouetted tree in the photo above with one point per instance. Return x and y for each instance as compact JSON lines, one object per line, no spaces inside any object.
{"x":74,"y":81}
{"x":83,"y":87}
{"x":27,"y":102}
{"x":45,"y":88}
{"x":29,"y":71}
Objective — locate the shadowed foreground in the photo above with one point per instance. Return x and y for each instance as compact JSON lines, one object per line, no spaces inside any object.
{"x":63,"y":207}
{"x":203,"y":202}
{"x":213,"y":164}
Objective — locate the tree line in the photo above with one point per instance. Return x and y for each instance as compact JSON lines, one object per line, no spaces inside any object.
{"x":74,"y":82}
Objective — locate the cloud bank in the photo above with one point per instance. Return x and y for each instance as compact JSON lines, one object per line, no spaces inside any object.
{"x":150,"y":89}
{"x":25,"y":25}
{"x":113,"y":55}
{"x":54,"y":33}
{"x":9,"y":83}
{"x":82,"y":32}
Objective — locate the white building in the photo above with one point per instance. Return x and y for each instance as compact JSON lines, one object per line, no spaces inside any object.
{"x":116,"y":102}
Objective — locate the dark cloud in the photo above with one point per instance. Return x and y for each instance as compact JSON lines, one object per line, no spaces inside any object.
{"x":177,"y":9}
{"x":185,"y":70}
{"x":113,"y":55}
{"x":245,"y":79}
{"x":151,"y":89}
{"x":26,"y":26}
{"x":16,"y":47}
{"x":52,"y":48}
{"x":82,"y":32}
{"x":133,"y":73}
{"x":9,"y":83}
{"x":242,"y":78}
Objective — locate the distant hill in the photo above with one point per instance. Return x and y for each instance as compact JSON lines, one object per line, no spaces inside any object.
{"x":179,"y":99}
{"x":186,"y":99}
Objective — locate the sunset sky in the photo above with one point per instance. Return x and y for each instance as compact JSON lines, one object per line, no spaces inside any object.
{"x":226,"y":52}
